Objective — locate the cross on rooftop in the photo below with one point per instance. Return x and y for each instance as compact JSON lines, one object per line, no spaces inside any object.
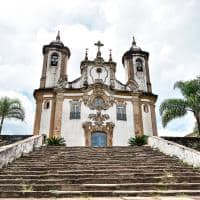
{"x":99,"y":45}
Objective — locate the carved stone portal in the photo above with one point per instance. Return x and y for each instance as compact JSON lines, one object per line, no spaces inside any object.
{"x":97,"y":124}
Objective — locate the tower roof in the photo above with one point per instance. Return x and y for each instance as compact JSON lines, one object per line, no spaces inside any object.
{"x":134,"y":50}
{"x":56,"y":44}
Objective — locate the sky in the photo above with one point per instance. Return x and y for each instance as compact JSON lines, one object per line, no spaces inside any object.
{"x":168,"y":29}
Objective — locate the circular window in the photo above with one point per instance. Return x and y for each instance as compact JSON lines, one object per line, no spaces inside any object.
{"x":99,"y":70}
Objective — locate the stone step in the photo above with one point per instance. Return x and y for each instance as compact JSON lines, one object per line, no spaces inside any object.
{"x":99,"y":187}
{"x":111,"y":180}
{"x":106,"y":193}
{"x":68,"y":162}
{"x":96,"y":176}
{"x":82,"y":167}
{"x":86,"y":172}
{"x":98,"y":171}
{"x":91,"y":164}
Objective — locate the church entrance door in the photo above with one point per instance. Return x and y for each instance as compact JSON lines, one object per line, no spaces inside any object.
{"x":99,"y":139}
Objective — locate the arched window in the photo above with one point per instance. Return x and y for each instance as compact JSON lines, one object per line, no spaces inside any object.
{"x":139,"y":65}
{"x":46,"y":105}
{"x":146,"y":108}
{"x":54,"y":59}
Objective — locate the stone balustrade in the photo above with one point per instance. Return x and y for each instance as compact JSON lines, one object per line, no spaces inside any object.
{"x":10,"y":152}
{"x":187,"y":155}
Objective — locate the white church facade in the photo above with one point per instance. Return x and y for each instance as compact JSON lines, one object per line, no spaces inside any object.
{"x":95,"y":109}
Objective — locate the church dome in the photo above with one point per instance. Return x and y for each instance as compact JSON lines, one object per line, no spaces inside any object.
{"x":133,"y":50}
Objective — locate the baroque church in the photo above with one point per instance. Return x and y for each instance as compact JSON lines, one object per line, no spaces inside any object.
{"x":95,"y":109}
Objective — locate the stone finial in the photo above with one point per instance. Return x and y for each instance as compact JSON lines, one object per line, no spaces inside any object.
{"x":110,"y":55}
{"x":134,"y":45}
{"x":86,"y":54}
{"x":133,"y":42}
{"x":58,"y":36}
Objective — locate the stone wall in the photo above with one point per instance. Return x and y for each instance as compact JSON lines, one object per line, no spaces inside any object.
{"x":13,"y":151}
{"x":191,"y":142}
{"x":187,"y":155}
{"x":9,"y":139}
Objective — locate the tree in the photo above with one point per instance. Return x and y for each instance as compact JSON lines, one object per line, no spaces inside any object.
{"x":174,"y":108}
{"x":10,"y":108}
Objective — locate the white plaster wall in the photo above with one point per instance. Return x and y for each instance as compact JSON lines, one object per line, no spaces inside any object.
{"x":118,"y":86}
{"x":77,"y":84}
{"x":147,"y":121}
{"x":73,"y":132}
{"x":126,"y":71}
{"x":123,"y":130}
{"x":45,"y":119}
{"x":53,"y":72}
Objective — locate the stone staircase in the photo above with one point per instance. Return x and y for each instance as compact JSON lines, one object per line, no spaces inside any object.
{"x":91,"y":172}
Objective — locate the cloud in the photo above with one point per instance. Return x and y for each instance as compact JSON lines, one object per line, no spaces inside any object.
{"x":169,"y":30}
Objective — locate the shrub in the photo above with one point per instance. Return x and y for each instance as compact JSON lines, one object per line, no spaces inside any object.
{"x":55,"y":141}
{"x":138,"y":140}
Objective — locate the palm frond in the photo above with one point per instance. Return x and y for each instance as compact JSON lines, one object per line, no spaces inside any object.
{"x":171,"y":109}
{"x":11,"y":108}
{"x":188,"y":88}
{"x":172,"y":104}
{"x":170,"y":115}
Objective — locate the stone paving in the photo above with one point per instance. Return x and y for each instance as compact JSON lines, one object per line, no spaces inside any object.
{"x":111,"y":198}
{"x":69,"y":172}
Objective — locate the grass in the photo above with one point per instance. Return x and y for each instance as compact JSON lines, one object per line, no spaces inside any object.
{"x":27,"y":188}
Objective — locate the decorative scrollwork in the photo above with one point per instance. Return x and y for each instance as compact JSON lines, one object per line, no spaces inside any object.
{"x":98,"y":100}
{"x":62,"y":82}
{"x":98,"y":118}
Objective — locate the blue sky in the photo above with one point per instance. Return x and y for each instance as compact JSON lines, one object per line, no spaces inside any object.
{"x":168,"y":29}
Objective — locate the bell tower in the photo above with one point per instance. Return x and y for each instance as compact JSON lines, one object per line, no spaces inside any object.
{"x":55,"y":60}
{"x":135,"y":62}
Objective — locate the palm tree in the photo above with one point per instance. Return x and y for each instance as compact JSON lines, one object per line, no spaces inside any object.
{"x":174,"y":108}
{"x":10,"y":108}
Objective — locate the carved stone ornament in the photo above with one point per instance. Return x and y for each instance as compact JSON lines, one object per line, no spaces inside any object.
{"x":98,"y":123}
{"x":98,"y":118}
{"x":133,"y":85}
{"x":98,"y":100}
{"x":62,"y":82}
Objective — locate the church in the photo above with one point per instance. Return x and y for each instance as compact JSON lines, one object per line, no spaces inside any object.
{"x":95,"y":109}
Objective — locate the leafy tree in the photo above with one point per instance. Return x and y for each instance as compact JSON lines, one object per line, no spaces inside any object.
{"x":174,"y":108}
{"x":10,"y":108}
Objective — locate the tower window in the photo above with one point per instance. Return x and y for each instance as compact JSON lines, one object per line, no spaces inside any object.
{"x":46,"y":105}
{"x":54,"y":59}
{"x":75,"y":110}
{"x":121,"y":112}
{"x":139,"y":65}
{"x":146,"y":108}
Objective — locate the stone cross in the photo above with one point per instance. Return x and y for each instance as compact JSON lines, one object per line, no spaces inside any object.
{"x":99,"y":45}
